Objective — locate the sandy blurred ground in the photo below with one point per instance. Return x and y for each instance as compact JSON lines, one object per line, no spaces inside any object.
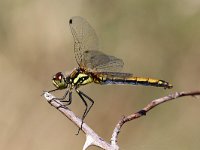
{"x":154,"y":38}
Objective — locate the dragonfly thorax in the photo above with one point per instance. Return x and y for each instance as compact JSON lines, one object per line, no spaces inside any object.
{"x":78,"y":77}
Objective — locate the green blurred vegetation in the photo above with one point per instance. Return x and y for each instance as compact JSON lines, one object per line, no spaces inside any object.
{"x":155,"y":38}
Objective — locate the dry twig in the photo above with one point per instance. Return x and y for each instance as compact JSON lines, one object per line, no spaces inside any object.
{"x":92,"y":138}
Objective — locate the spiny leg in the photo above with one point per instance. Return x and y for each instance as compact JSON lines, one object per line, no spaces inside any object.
{"x":52,"y":90}
{"x":49,"y":91}
{"x":69,"y":101}
{"x":85,"y":112}
{"x":70,"y":97}
{"x":62,"y":98}
{"x":91,"y":100}
{"x":54,"y":99}
{"x":82,"y":95}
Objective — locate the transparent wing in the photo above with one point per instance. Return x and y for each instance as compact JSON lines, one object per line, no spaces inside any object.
{"x":85,"y":38}
{"x":86,"y":48}
{"x":100,"y":62}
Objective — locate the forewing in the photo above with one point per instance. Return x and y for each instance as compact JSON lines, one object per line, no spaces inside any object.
{"x":85,"y":38}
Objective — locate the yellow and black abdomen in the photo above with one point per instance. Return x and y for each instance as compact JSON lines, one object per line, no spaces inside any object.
{"x":126,"y":78}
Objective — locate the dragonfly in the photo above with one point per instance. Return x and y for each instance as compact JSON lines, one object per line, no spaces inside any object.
{"x":94,"y":66}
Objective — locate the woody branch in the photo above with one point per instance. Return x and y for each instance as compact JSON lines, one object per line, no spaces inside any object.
{"x":92,"y":138}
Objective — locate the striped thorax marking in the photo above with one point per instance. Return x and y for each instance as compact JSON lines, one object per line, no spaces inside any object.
{"x":82,"y":79}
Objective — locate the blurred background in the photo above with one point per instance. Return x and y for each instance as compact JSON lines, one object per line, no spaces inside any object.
{"x":155,"y":38}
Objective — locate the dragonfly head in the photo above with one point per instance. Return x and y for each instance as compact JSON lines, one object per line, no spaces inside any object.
{"x":59,"y":81}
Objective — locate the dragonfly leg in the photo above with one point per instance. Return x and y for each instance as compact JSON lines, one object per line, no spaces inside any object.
{"x":49,"y":91}
{"x":67,"y":102}
{"x":54,"y":99}
{"x":52,"y":90}
{"x":87,"y":109}
{"x":61,"y":99}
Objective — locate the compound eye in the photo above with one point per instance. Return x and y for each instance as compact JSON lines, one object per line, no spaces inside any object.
{"x":58,"y":76}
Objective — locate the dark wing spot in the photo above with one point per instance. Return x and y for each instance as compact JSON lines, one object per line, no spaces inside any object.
{"x":70,"y":21}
